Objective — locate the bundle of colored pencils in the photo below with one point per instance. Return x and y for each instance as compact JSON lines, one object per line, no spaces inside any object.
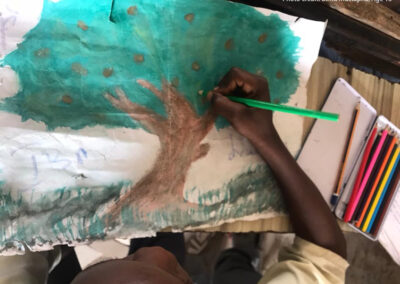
{"x":376,"y":182}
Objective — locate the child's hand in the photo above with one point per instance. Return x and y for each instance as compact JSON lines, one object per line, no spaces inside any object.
{"x":255,"y":124}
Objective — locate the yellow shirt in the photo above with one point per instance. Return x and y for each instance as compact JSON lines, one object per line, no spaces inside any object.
{"x":306,"y":263}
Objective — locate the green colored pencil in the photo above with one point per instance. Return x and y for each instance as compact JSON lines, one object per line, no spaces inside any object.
{"x":288,"y":109}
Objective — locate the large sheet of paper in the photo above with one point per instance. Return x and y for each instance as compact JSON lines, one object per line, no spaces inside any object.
{"x":103,"y":132}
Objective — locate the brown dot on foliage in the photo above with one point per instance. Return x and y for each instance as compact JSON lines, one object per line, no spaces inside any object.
{"x":107,"y":72}
{"x":82,"y":25}
{"x":276,"y":101}
{"x":229,"y":44}
{"x":262,"y":37}
{"x":79,"y":69}
{"x":189,"y":17}
{"x":66,"y":99}
{"x":132,"y":10}
{"x":279,"y":74}
{"x":195,"y":66}
{"x":139,"y":58}
{"x":42,"y":52}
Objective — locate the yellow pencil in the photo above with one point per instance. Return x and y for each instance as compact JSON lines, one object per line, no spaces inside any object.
{"x":381,"y":187}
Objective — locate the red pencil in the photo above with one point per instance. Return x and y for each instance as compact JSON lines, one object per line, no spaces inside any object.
{"x":348,"y":214}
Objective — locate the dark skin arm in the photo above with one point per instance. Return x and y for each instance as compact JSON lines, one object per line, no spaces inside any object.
{"x":311,"y":217}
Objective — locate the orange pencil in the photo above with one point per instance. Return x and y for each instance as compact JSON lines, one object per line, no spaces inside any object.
{"x":377,"y":179}
{"x":336,"y":194}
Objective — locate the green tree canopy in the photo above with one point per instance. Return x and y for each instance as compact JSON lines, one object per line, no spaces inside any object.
{"x":82,"y":49}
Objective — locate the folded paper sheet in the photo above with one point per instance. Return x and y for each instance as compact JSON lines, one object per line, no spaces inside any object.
{"x":103,"y":132}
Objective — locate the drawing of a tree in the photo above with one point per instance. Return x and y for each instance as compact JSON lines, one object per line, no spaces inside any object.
{"x":180,"y":134}
{"x":80,"y":51}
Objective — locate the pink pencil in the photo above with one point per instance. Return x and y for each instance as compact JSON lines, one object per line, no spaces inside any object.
{"x":367,"y":152}
{"x":352,"y":206}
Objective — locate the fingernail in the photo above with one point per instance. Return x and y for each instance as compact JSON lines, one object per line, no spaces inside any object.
{"x":216,"y":88}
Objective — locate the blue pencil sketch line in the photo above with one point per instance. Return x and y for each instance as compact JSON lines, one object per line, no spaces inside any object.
{"x":78,"y":155}
{"x":83,"y":151}
{"x":54,"y":159}
{"x":35,"y":166}
{"x":24,"y":147}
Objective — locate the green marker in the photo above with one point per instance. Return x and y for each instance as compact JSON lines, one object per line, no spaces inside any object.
{"x":288,"y":109}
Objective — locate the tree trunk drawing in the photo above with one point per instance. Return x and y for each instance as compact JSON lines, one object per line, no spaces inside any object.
{"x":180,"y":135}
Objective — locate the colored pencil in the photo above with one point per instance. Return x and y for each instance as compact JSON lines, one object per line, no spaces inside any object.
{"x":379,"y":207}
{"x":371,"y":178}
{"x":382,"y":181}
{"x":382,"y":167}
{"x":383,"y":186}
{"x":367,"y":152}
{"x":371,"y":154}
{"x":336,"y":194}
{"x":352,"y":206}
{"x":386,"y":202}
{"x":284,"y":108}
{"x":376,"y":143}
{"x":382,"y":195}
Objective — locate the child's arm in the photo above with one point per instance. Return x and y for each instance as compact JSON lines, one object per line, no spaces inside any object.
{"x":311,"y":218}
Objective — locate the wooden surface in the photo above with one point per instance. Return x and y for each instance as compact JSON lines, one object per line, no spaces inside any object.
{"x":381,"y":94}
{"x":373,"y":14}
{"x":362,"y":41}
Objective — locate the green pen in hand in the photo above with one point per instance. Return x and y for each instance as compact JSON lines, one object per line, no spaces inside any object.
{"x":287,"y":109}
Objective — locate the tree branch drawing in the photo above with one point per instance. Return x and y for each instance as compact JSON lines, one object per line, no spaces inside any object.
{"x":180,"y":134}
